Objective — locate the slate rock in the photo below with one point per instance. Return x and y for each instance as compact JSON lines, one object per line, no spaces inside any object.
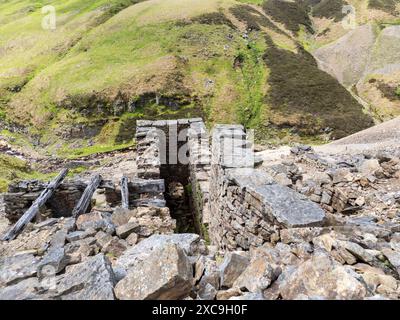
{"x":16,"y":268}
{"x":232,"y":267}
{"x":256,"y":277}
{"x":323,"y":277}
{"x":166,"y":274}
{"x":191,"y":244}
{"x":125,"y":230}
{"x":92,"y":279}
{"x":289,"y":208}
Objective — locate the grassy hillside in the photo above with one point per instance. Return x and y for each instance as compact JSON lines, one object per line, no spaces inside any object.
{"x":82,"y":86}
{"x":367,"y":59}
{"x":13,"y":168}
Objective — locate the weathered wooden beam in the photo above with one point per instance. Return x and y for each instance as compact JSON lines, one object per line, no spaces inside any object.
{"x":124,"y":192}
{"x":35,"y":207}
{"x":87,"y":195}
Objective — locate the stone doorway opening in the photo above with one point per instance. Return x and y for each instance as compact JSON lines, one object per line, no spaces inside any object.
{"x":178,"y":196}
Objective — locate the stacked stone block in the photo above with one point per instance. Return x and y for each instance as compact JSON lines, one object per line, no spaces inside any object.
{"x":248,"y":208}
{"x":199,"y":168}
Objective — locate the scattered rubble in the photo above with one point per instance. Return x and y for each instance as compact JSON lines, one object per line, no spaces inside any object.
{"x":306,"y":226}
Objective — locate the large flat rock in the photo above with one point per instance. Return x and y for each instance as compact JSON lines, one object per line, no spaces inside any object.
{"x":289,"y":208}
{"x":92,"y":279}
{"x":189,"y":243}
{"x":166,"y":274}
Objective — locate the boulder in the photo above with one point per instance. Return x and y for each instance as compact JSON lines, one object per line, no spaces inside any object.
{"x":289,"y":208}
{"x":125,"y":230}
{"x":97,"y":221}
{"x":299,"y":235}
{"x":27,"y":289}
{"x":92,"y":279}
{"x":166,"y":274}
{"x":79,"y":235}
{"x":121,"y":216}
{"x":227,"y":294}
{"x":78,"y":251}
{"x":232,"y":267}
{"x":207,"y":272}
{"x":370,"y":167}
{"x":321,"y":276}
{"x":208,"y":292}
{"x":248,"y":296}
{"x":103,"y":239}
{"x":132,"y":239}
{"x":53,"y":262}
{"x":115,"y":248}
{"x":191,"y":244}
{"x":393,"y":257}
{"x":17,"y":268}
{"x":256,"y":277}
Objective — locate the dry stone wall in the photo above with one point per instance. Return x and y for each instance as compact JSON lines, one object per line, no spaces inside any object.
{"x":236,"y":205}
{"x":178,"y":152}
{"x":231,"y":202}
{"x":22,"y":194}
{"x":248,"y":207}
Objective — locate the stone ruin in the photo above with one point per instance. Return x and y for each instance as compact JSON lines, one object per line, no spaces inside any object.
{"x":200,"y":199}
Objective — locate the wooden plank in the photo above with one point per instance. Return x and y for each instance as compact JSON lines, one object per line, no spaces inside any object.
{"x":124,"y":192}
{"x":87,"y":195}
{"x":37,"y":204}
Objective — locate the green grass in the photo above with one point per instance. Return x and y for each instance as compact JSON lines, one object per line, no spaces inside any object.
{"x":253,"y":71}
{"x":398,"y":91}
{"x":108,"y":60}
{"x":12,"y":168}
{"x":96,"y":149}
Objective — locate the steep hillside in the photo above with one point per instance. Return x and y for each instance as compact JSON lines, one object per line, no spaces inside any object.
{"x":364,"y":59}
{"x":81,"y":87}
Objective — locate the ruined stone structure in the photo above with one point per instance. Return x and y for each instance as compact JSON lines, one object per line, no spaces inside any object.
{"x":247,"y":207}
{"x":22,"y":194}
{"x":177,"y":169}
{"x":272,"y":231}
{"x":178,"y":152}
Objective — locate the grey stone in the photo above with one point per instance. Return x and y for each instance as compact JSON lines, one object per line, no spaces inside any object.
{"x":92,"y":279}
{"x":77,"y":235}
{"x":289,"y":208}
{"x":46,"y":223}
{"x":227,"y":294}
{"x":208,"y":292}
{"x":97,"y":221}
{"x":248,"y":296}
{"x":393,"y":257}
{"x":16,"y":268}
{"x":232,"y":267}
{"x":125,"y":230}
{"x":58,"y":240}
{"x":190,"y":243}
{"x":165,"y":274}
{"x":121,"y":216}
{"x":53,"y":262}
{"x":115,"y":248}
{"x":299,"y":235}
{"x":256,"y":277}
{"x":323,"y":277}
{"x":24,"y":290}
